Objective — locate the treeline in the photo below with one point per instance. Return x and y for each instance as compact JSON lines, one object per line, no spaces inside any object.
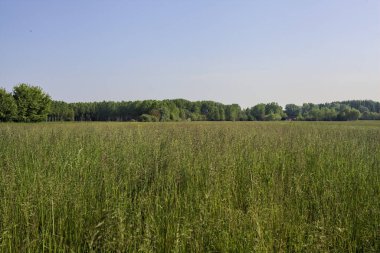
{"x":180,"y":110}
{"x":337,"y":111}
{"x":30,"y":104}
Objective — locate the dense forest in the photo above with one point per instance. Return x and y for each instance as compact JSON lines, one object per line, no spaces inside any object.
{"x":31,"y":104}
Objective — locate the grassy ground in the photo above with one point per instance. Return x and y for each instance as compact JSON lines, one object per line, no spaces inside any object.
{"x":190,"y":187}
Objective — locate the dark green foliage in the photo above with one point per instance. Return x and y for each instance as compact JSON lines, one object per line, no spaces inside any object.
{"x":183,"y":110}
{"x":8,"y":107}
{"x":370,"y":116}
{"x":61,"y":111}
{"x":268,"y":112}
{"x":258,"y":112}
{"x":273,"y":117}
{"x":33,"y":104}
{"x":273,"y":108}
{"x":349,"y":114}
{"x":338,"y":111}
{"x":148,"y":118}
{"x":232,"y":112}
{"x":293,"y":111}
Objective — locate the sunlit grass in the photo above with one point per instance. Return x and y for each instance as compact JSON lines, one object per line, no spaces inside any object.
{"x":190,"y":187}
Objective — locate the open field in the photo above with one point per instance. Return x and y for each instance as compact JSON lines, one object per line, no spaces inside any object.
{"x":190,"y":187}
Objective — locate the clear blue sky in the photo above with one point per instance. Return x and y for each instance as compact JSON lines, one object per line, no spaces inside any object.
{"x":232,"y":51}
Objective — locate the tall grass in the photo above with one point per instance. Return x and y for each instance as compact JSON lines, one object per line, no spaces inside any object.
{"x":190,"y":187}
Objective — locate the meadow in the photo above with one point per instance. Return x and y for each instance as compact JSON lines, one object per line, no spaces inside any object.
{"x":190,"y":187}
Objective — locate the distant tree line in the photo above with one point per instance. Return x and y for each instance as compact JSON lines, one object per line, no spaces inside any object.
{"x":31,"y":104}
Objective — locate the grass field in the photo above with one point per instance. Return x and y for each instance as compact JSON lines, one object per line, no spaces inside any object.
{"x":190,"y":187}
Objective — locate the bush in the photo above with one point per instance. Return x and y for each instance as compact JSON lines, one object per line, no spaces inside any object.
{"x":148,"y":118}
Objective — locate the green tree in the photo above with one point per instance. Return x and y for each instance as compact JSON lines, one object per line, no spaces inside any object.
{"x":315,"y":114}
{"x":33,"y":104}
{"x":353,"y":114}
{"x":8,"y":107}
{"x":328,"y":114}
{"x":363,"y":109}
{"x":273,"y":111}
{"x":61,"y":111}
{"x":165,"y":113}
{"x":232,"y":112}
{"x":258,"y":111}
{"x":222,"y":114}
{"x":148,"y":118}
{"x":293,"y":111}
{"x":273,"y":116}
{"x":306,"y":108}
{"x":273,"y":108}
{"x":243,"y":115}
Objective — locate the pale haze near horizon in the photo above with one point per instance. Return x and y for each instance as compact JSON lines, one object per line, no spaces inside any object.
{"x":244,"y":52}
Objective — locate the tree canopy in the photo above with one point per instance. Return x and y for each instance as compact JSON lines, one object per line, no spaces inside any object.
{"x":31,"y":104}
{"x":8,"y":107}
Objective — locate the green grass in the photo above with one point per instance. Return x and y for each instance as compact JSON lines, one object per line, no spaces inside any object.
{"x":190,"y":187}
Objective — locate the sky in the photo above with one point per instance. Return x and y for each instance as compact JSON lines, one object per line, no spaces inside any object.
{"x":244,"y":52}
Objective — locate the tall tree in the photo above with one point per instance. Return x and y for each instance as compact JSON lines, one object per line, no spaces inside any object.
{"x":292,"y":110}
{"x":61,"y":111}
{"x":8,"y":107}
{"x":33,"y":104}
{"x":273,"y":111}
{"x":232,"y":112}
{"x":258,"y":111}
